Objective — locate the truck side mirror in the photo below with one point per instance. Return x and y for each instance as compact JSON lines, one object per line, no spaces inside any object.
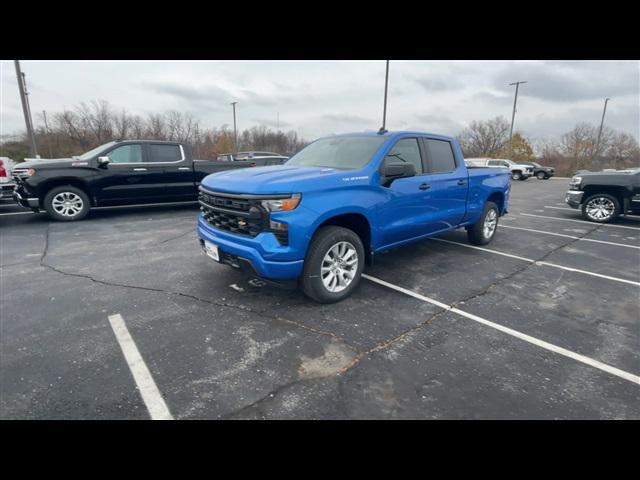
{"x":391,"y":171}
{"x":103,"y":161}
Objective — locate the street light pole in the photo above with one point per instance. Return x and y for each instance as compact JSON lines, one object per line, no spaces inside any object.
{"x":384,"y":111}
{"x":595,"y":153}
{"x":235,"y":131}
{"x":25,"y":109}
{"x":513,"y":117}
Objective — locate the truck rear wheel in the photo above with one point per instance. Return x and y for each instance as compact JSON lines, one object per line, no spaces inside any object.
{"x":333,"y":265}
{"x":66,"y":203}
{"x":483,"y":231}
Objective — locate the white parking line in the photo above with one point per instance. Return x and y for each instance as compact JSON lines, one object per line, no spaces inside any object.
{"x":579,"y":221}
{"x":148,"y":389}
{"x":514,"y":333}
{"x":561,"y":208}
{"x":17,"y":213}
{"x":535,"y":262}
{"x":571,"y":236}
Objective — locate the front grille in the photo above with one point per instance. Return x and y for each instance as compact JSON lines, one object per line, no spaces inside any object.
{"x":232,"y":214}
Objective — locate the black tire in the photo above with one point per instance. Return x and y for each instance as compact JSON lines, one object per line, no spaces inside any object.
{"x":323,"y":241}
{"x":78,"y":203}
{"x":607,"y":202}
{"x":476,"y":232}
{"x":516,"y":175}
{"x":541,"y":176}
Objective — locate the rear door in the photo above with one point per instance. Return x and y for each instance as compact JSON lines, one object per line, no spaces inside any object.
{"x":449,"y":183}
{"x":177,"y":166}
{"x":129,"y":178}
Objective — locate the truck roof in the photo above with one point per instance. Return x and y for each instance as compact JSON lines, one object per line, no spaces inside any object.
{"x":370,"y":133}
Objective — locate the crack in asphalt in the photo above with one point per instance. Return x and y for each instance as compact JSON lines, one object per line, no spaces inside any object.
{"x":522,"y":269}
{"x":360,"y":355}
{"x":400,"y":337}
{"x":191,"y":230}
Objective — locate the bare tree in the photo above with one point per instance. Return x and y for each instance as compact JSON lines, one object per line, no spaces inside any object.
{"x":484,"y":138}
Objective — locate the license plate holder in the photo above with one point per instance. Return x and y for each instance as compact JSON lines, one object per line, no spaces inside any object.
{"x":212,"y":250}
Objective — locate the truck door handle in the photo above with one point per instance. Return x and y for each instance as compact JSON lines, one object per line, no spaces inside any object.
{"x":462,"y":182}
{"x":184,"y":168}
{"x":139,"y":169}
{"x":424,"y":186}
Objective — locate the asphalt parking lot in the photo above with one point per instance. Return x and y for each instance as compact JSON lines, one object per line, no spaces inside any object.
{"x":121,"y":316}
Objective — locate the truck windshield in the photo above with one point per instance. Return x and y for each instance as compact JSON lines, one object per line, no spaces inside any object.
{"x":91,"y":153}
{"x":338,"y":152}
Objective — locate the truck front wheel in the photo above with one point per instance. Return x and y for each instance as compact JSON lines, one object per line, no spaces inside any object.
{"x":66,"y":203}
{"x":483,"y":231}
{"x":333,"y":265}
{"x":601,"y":208}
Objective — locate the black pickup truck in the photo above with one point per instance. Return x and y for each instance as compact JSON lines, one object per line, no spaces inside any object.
{"x":602,"y":196}
{"x":130,"y":172}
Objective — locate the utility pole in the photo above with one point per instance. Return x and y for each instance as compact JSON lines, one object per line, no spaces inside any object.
{"x":384,"y":111}
{"x":513,"y":117}
{"x":46,"y":129}
{"x":595,"y":153}
{"x":196,"y":140}
{"x":22,"y":85}
{"x":235,"y":131}
{"x":278,"y":121}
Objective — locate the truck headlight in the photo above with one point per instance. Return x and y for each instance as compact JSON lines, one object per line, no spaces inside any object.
{"x":282,"y":204}
{"x":30,"y":173}
{"x":575,"y":182}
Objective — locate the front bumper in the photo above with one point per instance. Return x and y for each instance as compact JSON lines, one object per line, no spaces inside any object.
{"x":27,"y":202}
{"x":248,"y":253}
{"x":574,"y":198}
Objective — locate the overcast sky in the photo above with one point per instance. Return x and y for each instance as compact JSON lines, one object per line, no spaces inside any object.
{"x":318,"y":98}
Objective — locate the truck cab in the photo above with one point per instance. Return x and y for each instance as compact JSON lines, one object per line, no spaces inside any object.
{"x":316,"y":220}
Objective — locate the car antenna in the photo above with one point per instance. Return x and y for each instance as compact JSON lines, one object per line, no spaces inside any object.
{"x":383,"y":130}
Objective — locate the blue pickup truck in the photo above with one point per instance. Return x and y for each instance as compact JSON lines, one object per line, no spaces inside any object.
{"x":316,"y":220}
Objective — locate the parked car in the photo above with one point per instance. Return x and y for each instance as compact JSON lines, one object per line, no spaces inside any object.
{"x":518,"y":171}
{"x":602,"y":196}
{"x":130,"y":172}
{"x":541,"y":172}
{"x":6,"y":181}
{"x":258,"y":159}
{"x":341,"y":201}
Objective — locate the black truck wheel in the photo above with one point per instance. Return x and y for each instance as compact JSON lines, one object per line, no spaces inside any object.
{"x":601,"y":208}
{"x":541,"y":176}
{"x":333,"y":265}
{"x":483,"y":231}
{"x":66,"y":203}
{"x":515,"y":175}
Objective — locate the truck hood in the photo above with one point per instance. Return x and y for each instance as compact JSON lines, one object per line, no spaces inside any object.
{"x":614,"y":173}
{"x":275,"y":179}
{"x":49,"y":163}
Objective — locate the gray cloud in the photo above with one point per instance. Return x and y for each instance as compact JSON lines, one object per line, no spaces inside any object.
{"x":316,"y":98}
{"x":571,"y":81}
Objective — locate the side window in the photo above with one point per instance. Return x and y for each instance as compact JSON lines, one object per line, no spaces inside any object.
{"x":441,"y":156}
{"x":495,"y":163}
{"x":126,"y":154}
{"x":164,"y":153}
{"x":406,"y":150}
